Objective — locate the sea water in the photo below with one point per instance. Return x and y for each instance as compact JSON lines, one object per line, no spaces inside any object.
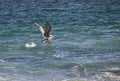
{"x":86,"y":45}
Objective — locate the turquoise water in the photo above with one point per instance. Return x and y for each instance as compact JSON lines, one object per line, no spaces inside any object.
{"x":86,"y":44}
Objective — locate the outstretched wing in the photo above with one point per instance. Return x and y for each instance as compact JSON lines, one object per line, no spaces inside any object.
{"x":48,"y":29}
{"x":40,"y":28}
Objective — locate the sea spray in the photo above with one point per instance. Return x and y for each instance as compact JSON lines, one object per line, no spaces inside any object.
{"x":30,"y":45}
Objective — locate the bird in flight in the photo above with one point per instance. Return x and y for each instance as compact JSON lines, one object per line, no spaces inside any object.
{"x":45,"y":33}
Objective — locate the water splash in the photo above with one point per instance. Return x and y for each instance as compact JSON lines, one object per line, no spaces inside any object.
{"x":30,"y":45}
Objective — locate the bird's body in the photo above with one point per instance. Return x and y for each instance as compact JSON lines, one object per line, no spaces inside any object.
{"x":45,"y":33}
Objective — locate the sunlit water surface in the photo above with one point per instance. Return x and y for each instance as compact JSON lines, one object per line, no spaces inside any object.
{"x":86,"y":44}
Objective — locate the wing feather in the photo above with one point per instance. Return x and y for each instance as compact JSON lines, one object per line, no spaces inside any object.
{"x":40,"y":29}
{"x":48,"y":29}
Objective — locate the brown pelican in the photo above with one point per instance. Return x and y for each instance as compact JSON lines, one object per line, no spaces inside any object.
{"x":46,"y":34}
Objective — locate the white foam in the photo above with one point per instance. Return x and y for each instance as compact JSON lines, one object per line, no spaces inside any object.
{"x":3,"y":79}
{"x":2,"y":61}
{"x":75,"y":79}
{"x":30,"y":45}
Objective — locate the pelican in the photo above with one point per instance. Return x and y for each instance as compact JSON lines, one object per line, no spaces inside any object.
{"x":45,"y":33}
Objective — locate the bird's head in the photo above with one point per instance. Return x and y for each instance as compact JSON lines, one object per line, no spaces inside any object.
{"x":51,"y":37}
